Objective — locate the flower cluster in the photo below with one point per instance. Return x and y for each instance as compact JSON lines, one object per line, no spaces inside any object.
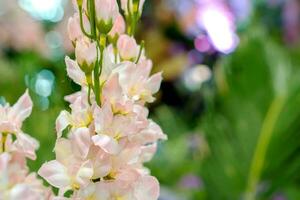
{"x":103,"y":142}
{"x":15,"y":180}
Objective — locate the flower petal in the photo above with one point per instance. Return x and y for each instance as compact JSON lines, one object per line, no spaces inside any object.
{"x":55,"y":174}
{"x":112,"y":89}
{"x":26,"y":145}
{"x":62,"y":122}
{"x":63,"y":151}
{"x":81,"y":141}
{"x":147,"y":188}
{"x":103,"y":117}
{"x":85,"y":173}
{"x":74,"y":72}
{"x":153,"y":83}
{"x":106,"y":143}
{"x":21,"y":109}
{"x":4,"y":160}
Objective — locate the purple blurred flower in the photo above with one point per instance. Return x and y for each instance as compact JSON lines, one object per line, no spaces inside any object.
{"x":242,"y":9}
{"x":217,"y":20}
{"x":291,"y":21}
{"x":279,"y":197}
{"x":202,"y":43}
{"x":190,"y":181}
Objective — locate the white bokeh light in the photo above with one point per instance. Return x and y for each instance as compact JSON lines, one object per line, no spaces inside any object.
{"x":44,"y":83}
{"x":219,"y":28}
{"x":51,"y":10}
{"x":194,"y":77}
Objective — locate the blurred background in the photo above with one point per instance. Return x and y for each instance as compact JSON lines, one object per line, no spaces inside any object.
{"x":229,"y":102}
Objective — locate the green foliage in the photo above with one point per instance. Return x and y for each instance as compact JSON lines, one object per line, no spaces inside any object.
{"x":245,"y":111}
{"x":254,"y":110}
{"x":17,"y":73}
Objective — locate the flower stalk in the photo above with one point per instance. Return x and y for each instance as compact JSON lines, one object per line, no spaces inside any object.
{"x":16,"y":148}
{"x":104,"y":141}
{"x":264,"y":139}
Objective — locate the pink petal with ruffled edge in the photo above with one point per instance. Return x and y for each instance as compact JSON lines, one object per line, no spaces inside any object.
{"x":106,"y":143}
{"x":21,"y":109}
{"x":81,"y":141}
{"x":74,"y":72}
{"x":55,"y":173}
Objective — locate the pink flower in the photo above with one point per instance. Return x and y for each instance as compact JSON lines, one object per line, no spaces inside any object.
{"x":25,"y":145}
{"x":69,"y":171}
{"x":137,"y":84}
{"x":113,"y":93}
{"x":127,"y":47}
{"x":150,"y":134}
{"x":21,"y":185}
{"x":146,"y":188}
{"x":111,"y":129}
{"x":118,"y":27}
{"x":86,"y":54}
{"x":102,"y":146}
{"x":132,"y":186}
{"x":81,"y":116}
{"x":74,"y":30}
{"x":74,"y":72}
{"x":106,"y":10}
{"x":11,"y":118}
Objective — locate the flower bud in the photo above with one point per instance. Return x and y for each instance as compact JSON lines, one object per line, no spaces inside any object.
{"x":86,"y":55}
{"x":106,"y":14}
{"x":74,"y":30}
{"x":118,"y":27}
{"x":135,"y":6}
{"x":127,"y":47}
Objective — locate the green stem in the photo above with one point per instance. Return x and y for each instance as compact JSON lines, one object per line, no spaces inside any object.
{"x":140,"y":52}
{"x":91,"y":8}
{"x":102,"y":46}
{"x":133,"y":26}
{"x":128,"y":7}
{"x":264,"y":139}
{"x":133,"y":21}
{"x":92,"y":18}
{"x":115,"y":52}
{"x":98,"y":69}
{"x":135,"y":17}
{"x":3,"y":141}
{"x":89,"y":94}
{"x":96,"y":79}
{"x":81,"y":23}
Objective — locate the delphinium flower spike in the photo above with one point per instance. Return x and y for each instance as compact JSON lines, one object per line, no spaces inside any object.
{"x":106,"y":137}
{"x":16,"y":146}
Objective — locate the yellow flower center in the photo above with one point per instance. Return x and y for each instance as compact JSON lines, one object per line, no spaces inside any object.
{"x":118,"y":136}
{"x":75,"y":186}
{"x":91,"y":198}
{"x":118,"y":198}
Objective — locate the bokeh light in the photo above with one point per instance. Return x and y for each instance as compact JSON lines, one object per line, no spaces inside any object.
{"x":44,"y":83}
{"x":2,"y":101}
{"x":194,"y":77}
{"x":219,"y":28}
{"x":51,"y":10}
